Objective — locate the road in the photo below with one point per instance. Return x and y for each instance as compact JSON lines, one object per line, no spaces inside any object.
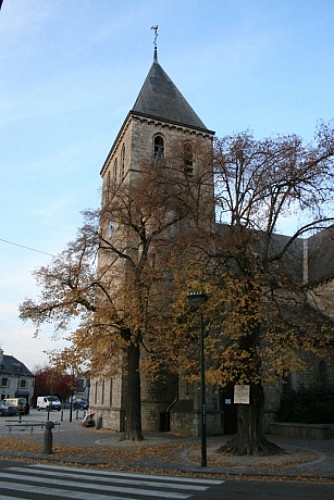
{"x":37,"y":481}
{"x":19,"y":480}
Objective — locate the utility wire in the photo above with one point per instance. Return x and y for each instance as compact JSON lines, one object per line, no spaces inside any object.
{"x":27,"y":248}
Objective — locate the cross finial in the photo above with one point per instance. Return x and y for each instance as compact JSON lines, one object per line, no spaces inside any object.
{"x":155,"y":42}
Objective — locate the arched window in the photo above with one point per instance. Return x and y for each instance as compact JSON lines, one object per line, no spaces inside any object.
{"x":158,"y":147}
{"x":107,"y":188}
{"x":188,"y":157}
{"x":123,"y":161}
{"x":287,"y":384}
{"x":115,"y":169}
{"x":102,"y":392}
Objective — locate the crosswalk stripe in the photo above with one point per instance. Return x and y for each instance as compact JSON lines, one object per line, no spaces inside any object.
{"x":114,"y":480}
{"x":100,"y":487}
{"x":98,"y":472}
{"x":109,"y":485}
{"x":43,"y":490}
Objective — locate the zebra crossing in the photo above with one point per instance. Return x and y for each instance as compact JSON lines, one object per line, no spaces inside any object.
{"x":40,"y":480}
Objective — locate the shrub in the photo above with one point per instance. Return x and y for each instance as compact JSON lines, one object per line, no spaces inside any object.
{"x":312,"y":405}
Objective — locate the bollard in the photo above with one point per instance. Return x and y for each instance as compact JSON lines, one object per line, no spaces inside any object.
{"x":99,"y":423}
{"x":48,"y":437}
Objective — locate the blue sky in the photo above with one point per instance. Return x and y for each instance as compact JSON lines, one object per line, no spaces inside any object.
{"x":70,"y":70}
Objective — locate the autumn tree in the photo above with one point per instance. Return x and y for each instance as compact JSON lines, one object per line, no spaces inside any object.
{"x":111,"y":279}
{"x":262,"y":315}
{"x":50,"y":380}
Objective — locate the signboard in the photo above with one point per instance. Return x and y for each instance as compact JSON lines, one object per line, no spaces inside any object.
{"x":241,"y":394}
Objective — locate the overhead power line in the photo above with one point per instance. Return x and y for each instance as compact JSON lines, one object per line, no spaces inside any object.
{"x":27,"y":248}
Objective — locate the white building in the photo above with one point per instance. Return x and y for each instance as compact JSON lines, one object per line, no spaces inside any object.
{"x":15,"y":378}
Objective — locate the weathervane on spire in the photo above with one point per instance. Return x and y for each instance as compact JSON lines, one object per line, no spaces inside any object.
{"x":155,"y":42}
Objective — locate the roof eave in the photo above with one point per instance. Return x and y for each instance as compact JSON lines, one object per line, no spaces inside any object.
{"x":172,"y":122}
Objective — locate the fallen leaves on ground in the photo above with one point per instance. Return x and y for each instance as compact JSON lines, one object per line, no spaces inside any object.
{"x":126,"y":457}
{"x":161,"y":458}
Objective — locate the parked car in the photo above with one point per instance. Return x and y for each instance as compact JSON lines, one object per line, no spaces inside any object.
{"x":7,"y":410}
{"x":19,"y":403}
{"x":48,"y":403}
{"x":80,"y":404}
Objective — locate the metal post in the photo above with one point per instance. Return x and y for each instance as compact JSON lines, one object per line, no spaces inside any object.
{"x":72,"y":394}
{"x":196,"y":299}
{"x":47,"y":442}
{"x":71,"y":407}
{"x":203,"y":402}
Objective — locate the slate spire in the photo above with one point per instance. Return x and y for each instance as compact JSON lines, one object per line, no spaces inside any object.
{"x":160,"y":99}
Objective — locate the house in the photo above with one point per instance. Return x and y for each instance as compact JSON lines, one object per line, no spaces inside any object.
{"x":16,"y":379}
{"x":82,"y":386}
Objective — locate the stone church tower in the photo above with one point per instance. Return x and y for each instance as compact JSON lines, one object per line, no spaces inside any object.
{"x":160,"y":117}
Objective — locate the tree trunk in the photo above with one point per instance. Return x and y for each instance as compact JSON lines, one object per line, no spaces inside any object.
{"x":249,"y":439}
{"x":133,"y":430}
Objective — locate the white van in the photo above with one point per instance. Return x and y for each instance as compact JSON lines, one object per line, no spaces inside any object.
{"x":48,"y":403}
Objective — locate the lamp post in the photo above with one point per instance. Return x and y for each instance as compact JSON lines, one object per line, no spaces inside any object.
{"x":196,"y":299}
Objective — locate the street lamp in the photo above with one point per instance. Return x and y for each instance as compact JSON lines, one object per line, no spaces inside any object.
{"x":196,"y":299}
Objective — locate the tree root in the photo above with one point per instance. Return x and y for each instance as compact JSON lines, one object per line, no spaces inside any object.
{"x":137,"y":437}
{"x":263,"y":447}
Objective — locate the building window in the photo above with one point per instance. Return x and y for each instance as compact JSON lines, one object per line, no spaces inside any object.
{"x":323,"y":374}
{"x":188,"y":157}
{"x":110,"y":394}
{"x":108,"y":194}
{"x":102,"y":392}
{"x":115,"y":169}
{"x":23,"y":384}
{"x":287,"y":384}
{"x":4,"y":382}
{"x":17,"y":369}
{"x":154,"y":260}
{"x":158,"y":147}
{"x":123,"y":161}
{"x":110,"y":229}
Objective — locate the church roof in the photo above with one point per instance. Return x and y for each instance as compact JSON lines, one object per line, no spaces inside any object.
{"x":159,"y":98}
{"x":320,"y":257}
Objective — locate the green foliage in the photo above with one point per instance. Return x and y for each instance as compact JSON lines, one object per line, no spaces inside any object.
{"x":312,"y":405}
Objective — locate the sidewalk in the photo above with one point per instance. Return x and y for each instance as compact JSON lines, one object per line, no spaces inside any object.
{"x":166,"y":453}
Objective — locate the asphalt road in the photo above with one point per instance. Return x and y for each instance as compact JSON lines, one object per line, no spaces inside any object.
{"x":29,"y":477}
{"x":265,"y":490}
{"x":36,"y":481}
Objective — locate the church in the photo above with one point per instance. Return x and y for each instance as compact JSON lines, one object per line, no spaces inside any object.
{"x":160,"y":118}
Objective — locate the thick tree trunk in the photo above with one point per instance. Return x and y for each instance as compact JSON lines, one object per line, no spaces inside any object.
{"x":249,"y":439}
{"x":133,"y":429}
